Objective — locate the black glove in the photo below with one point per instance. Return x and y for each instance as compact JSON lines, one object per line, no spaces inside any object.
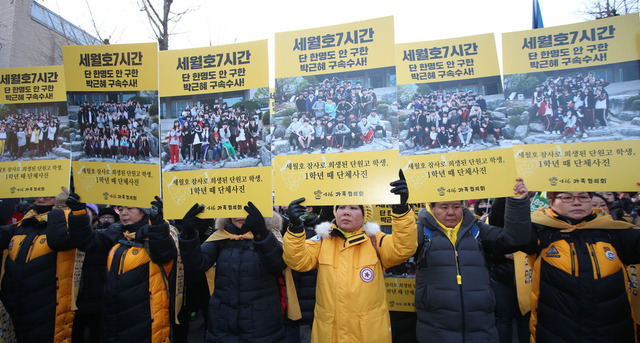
{"x":400,"y":188}
{"x":156,"y":214}
{"x":255,"y":222}
{"x":190,"y":222}
{"x":73,"y":202}
{"x":294,"y":212}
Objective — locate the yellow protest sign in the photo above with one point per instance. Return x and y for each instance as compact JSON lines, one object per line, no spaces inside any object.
{"x":20,"y":179}
{"x":112,"y":92}
{"x":122,"y":184}
{"x":122,"y":67}
{"x":447,"y":60}
{"x":597,"y":166}
{"x":459,"y":176}
{"x":214,"y":69}
{"x":224,"y":192}
{"x":401,"y":294}
{"x":382,"y":214}
{"x":332,"y":49}
{"x":34,"y":156}
{"x":32,"y":84}
{"x":589,"y":44}
{"x":336,"y":178}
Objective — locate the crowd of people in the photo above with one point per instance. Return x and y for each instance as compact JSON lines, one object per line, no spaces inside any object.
{"x":571,"y":103}
{"x":450,"y":121}
{"x":258,"y":279}
{"x":230,"y":134}
{"x":335,"y":114}
{"x":35,"y":134}
{"x":115,"y":131}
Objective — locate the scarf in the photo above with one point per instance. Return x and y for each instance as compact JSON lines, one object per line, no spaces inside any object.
{"x":596,"y":220}
{"x":131,"y":230}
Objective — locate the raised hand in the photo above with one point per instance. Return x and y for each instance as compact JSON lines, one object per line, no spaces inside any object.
{"x":156,"y":212}
{"x":520,"y":189}
{"x":400,"y":188}
{"x":255,"y":222}
{"x":190,"y":221}
{"x":295,"y":211}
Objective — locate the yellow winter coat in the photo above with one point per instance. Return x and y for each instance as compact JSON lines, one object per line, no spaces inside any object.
{"x":351,"y":301}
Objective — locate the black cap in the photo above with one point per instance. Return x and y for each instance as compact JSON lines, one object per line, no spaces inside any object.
{"x":109,"y":210}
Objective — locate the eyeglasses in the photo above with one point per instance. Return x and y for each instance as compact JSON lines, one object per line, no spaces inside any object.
{"x":570,"y":199}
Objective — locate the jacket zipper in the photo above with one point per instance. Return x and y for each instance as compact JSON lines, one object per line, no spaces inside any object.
{"x":595,"y":259}
{"x":30,"y":251}
{"x":573,"y":260}
{"x":124,"y":253}
{"x":459,"y":282}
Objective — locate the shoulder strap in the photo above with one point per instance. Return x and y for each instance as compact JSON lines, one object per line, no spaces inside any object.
{"x":475,"y":231}
{"x":427,"y":233}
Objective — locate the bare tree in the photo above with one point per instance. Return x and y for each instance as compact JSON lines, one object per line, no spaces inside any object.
{"x":598,"y":9}
{"x":160,"y":20}
{"x":96,"y":28}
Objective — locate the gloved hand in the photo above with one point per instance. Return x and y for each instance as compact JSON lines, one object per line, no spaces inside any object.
{"x":61,"y":198}
{"x":400,"y":188}
{"x":190,"y":222}
{"x":255,"y":222}
{"x":294,"y":212}
{"x":156,"y":213}
{"x":73,"y":202}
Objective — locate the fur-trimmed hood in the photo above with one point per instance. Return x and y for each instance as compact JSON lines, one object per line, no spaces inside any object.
{"x":324,"y":229}
{"x":274,"y":222}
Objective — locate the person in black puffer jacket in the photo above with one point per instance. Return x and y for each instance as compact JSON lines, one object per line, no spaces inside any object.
{"x":305,"y":283}
{"x":141,"y":269}
{"x":245,"y":305}
{"x":454,"y":301}
{"x":502,"y":273}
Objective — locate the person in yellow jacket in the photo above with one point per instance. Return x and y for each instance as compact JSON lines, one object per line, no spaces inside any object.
{"x":351,"y":255}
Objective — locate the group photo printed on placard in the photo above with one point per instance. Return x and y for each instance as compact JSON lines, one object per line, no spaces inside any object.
{"x":335,"y":113}
{"x":110,"y":130}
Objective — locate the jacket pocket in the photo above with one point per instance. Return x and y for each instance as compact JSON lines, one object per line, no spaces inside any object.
{"x":322,"y":326}
{"x":375,"y":326}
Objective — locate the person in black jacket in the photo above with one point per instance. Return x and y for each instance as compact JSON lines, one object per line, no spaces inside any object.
{"x":140,"y":279}
{"x":36,"y":284}
{"x":89,"y":318}
{"x":245,"y":305}
{"x":503,"y":283}
{"x":454,"y":300}
{"x":579,"y":280}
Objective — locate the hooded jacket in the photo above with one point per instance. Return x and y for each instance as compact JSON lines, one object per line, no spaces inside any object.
{"x":579,"y":282}
{"x":38,"y":275}
{"x":454,"y":300}
{"x":245,"y":305}
{"x":139,"y":284}
{"x":350,"y":291}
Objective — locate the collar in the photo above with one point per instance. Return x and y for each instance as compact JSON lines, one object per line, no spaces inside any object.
{"x":549,"y":218}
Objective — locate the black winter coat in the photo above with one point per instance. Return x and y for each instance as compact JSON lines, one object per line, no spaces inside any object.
{"x":134,"y":286}
{"x":452,"y":311}
{"x":245,"y":305}
{"x":30,"y":282}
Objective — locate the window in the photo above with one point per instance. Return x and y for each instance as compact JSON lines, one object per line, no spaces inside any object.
{"x":233,"y":100}
{"x":177,"y":107}
{"x":56,"y":23}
